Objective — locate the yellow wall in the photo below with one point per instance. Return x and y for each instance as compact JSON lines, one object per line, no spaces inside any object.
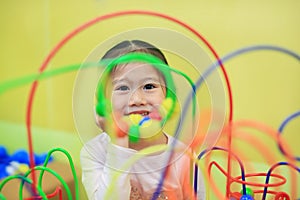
{"x":265,"y":85}
{"x":30,"y":29}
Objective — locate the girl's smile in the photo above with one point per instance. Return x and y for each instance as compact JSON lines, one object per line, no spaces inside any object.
{"x":136,"y":89}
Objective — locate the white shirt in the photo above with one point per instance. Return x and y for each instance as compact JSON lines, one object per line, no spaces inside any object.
{"x":101,"y":160}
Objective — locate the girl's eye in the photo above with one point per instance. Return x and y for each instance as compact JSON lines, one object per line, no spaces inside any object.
{"x":149,"y":86}
{"x":122,"y":88}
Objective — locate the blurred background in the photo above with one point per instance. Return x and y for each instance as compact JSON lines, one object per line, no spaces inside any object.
{"x":265,"y":85}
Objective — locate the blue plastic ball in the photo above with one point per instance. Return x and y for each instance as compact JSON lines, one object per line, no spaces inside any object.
{"x":3,"y":153}
{"x":246,"y":197}
{"x":20,"y":156}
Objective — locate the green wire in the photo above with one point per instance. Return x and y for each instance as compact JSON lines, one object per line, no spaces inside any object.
{"x":71,"y":165}
{"x":2,"y":197}
{"x":110,"y":63}
{"x":157,"y":63}
{"x":6,"y":85}
{"x":42,"y":168}
{"x":23,"y":178}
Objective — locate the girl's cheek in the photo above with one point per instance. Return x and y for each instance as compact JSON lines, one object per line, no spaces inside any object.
{"x":118,"y":102}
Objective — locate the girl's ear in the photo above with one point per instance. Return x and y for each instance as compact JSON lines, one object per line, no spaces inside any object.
{"x":100,"y":121}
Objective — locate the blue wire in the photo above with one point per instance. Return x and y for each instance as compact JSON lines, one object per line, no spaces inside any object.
{"x":234,"y":54}
{"x":269,"y":174}
{"x":280,"y":131}
{"x":243,"y":176}
{"x":287,"y":120}
{"x":147,"y":118}
{"x":210,"y":69}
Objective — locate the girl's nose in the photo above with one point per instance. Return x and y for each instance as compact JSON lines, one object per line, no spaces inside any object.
{"x":137,"y":98}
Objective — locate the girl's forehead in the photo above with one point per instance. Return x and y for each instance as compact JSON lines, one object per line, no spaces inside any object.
{"x":135,"y":70}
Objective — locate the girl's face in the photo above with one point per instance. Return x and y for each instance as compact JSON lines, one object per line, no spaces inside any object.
{"x":137,"y":88}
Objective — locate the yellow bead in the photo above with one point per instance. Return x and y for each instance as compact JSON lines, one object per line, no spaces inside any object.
{"x":149,"y":131}
{"x":135,"y":118}
{"x":23,"y":168}
{"x":167,"y":104}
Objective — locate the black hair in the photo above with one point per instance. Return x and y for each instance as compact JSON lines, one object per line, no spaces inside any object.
{"x":129,"y":46}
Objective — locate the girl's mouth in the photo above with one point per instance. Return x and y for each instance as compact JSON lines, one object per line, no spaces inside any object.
{"x":154,"y":114}
{"x":145,"y":114}
{"x":142,"y":113}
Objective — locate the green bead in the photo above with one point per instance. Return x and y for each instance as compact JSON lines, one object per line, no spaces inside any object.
{"x":100,"y":108}
{"x":248,"y":192}
{"x":134,"y":134}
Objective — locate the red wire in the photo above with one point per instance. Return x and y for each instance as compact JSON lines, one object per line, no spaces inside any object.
{"x":275,"y":193}
{"x":274,"y":134}
{"x":58,"y":191}
{"x":262,"y":191}
{"x":260,"y":184}
{"x":92,"y":22}
{"x":232,"y":179}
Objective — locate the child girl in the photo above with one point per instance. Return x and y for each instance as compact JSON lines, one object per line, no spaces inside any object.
{"x":136,"y":90}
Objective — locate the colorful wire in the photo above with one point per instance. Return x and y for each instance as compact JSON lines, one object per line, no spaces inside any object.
{"x":42,"y":168}
{"x":24,"y":179}
{"x":112,"y":15}
{"x":71,"y":164}
{"x":280,"y":131}
{"x":227,"y":58}
{"x":270,"y":171}
{"x":237,"y":158}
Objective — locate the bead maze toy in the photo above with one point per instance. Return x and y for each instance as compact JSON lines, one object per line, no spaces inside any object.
{"x":268,"y":184}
